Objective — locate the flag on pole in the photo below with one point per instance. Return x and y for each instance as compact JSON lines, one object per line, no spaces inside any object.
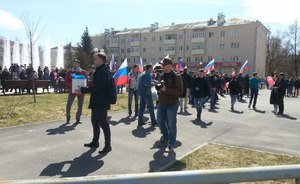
{"x":245,"y":67}
{"x":121,"y":76}
{"x":179,"y":66}
{"x":210,"y":66}
{"x":141,"y":65}
{"x":112,"y":63}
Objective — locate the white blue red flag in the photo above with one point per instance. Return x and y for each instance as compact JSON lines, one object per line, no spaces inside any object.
{"x":121,"y":76}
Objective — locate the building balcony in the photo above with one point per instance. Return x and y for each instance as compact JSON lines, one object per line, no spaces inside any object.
{"x":113,"y":44}
{"x":199,"y":51}
{"x":198,"y":40}
{"x":170,"y":52}
{"x":134,"y":54}
{"x":135,"y":43}
{"x":170,"y":42}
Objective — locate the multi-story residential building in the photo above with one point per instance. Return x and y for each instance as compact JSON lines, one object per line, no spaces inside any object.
{"x":230,"y":42}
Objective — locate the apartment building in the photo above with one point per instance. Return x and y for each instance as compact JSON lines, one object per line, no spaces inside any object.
{"x":229,"y":41}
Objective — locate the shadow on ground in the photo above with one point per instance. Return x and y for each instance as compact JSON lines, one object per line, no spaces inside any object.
{"x":62,"y":129}
{"x":80,"y":166}
{"x":142,"y":132}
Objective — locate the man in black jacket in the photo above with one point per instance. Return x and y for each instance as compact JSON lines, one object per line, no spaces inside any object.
{"x":187,"y":83}
{"x":201,"y":91}
{"x":281,"y":92}
{"x":99,"y":103}
{"x":234,"y":88}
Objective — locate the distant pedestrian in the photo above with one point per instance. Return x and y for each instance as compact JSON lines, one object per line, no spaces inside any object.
{"x":234,"y":88}
{"x":213,"y":89}
{"x":144,"y":88}
{"x":274,"y":97}
{"x":254,"y":86}
{"x":281,"y":92}
{"x":201,"y":91}
{"x":71,"y":74}
{"x":133,"y":90}
{"x":187,"y":83}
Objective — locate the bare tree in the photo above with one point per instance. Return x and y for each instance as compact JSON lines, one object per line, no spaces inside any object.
{"x":294,"y":33}
{"x":33,"y":34}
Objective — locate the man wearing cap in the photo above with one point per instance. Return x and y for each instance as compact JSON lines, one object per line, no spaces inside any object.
{"x":168,"y":103}
{"x":282,"y":85}
{"x":99,"y":101}
{"x":80,"y":97}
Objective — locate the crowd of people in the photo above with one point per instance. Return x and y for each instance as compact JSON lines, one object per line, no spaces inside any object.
{"x":169,"y":88}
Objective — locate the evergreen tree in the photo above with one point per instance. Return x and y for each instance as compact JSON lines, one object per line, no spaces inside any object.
{"x":85,"y":50}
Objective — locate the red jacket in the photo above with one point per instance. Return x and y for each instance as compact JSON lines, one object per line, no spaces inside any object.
{"x":68,"y":79}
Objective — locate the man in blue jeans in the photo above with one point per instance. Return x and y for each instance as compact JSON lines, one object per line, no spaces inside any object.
{"x":144,"y":88}
{"x":254,"y":82}
{"x":168,"y":92}
{"x":201,"y":91}
{"x":212,"y":80}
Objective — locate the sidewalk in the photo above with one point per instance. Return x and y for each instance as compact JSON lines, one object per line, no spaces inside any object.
{"x":56,"y":150}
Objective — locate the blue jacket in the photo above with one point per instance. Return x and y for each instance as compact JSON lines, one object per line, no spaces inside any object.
{"x":145,"y":84}
{"x":253,"y":82}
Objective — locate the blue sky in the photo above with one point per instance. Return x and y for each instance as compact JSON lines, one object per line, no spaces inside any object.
{"x":65,"y":20}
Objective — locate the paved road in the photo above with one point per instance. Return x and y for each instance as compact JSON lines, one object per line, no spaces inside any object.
{"x":55,"y":150}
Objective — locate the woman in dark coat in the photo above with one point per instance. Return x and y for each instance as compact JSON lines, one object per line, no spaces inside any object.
{"x":274,"y":95}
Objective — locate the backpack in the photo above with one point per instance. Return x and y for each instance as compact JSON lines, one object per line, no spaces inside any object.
{"x":112,"y":93}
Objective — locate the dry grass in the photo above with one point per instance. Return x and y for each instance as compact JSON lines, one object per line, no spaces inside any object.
{"x":217,"y":156}
{"x":19,"y":110}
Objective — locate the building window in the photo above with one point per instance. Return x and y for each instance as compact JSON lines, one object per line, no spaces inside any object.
{"x":235,"y":32}
{"x":144,"y":49}
{"x":114,"y":50}
{"x":122,"y":41}
{"x":128,"y":50}
{"x":153,"y":38}
{"x":235,"y":45}
{"x":198,"y":46}
{"x":210,"y":47}
{"x":209,"y":58}
{"x":135,"y":49}
{"x":161,"y":38}
{"x":198,"y":34}
{"x":122,"y":50}
{"x":222,"y":33}
{"x":222,"y":46}
{"x":180,"y":36}
{"x":234,"y":58}
{"x":159,"y":49}
{"x":188,"y":59}
{"x":145,"y":39}
{"x":170,"y":48}
{"x":198,"y":59}
{"x":135,"y":39}
{"x":187,"y":47}
{"x":180,"y":48}
{"x":211,"y":34}
{"x":170,"y":37}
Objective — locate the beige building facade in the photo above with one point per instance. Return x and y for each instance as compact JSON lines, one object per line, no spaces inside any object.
{"x":229,"y":41}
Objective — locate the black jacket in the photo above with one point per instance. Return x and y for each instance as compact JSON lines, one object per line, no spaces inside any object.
{"x":274,"y":94}
{"x":234,"y":87}
{"x":282,"y":88}
{"x":187,"y":83}
{"x":99,"y":89}
{"x":200,"y":87}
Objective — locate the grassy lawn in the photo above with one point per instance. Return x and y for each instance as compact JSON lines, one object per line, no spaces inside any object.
{"x":217,"y":156}
{"x":19,"y":110}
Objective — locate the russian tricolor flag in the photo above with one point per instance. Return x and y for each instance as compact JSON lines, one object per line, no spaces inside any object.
{"x":210,"y":66}
{"x":141,"y":65}
{"x":121,"y":76}
{"x":245,"y":67}
{"x":179,"y":64}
